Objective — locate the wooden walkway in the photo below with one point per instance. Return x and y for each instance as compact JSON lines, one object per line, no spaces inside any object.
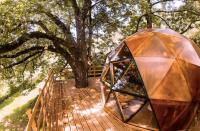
{"x":82,"y":109}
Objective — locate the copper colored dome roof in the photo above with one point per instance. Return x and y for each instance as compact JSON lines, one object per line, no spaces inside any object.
{"x":169,"y":66}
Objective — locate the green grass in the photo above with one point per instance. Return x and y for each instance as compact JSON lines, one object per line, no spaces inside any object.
{"x":19,"y":113}
{"x":18,"y":120}
{"x":9,"y":100}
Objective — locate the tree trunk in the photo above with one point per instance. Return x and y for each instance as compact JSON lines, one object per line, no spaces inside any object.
{"x":149,"y":15}
{"x":79,"y":66}
{"x":81,"y":75}
{"x":80,"y":55}
{"x":149,"y":21}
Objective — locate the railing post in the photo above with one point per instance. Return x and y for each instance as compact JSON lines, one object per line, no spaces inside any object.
{"x":32,"y":124}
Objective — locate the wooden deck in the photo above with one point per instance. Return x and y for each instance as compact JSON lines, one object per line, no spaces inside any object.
{"x":82,"y":109}
{"x":60,"y":106}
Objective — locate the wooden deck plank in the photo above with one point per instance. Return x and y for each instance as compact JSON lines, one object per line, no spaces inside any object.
{"x":97,"y":112}
{"x":89,"y":114}
{"x":109,"y":120}
{"x":103,"y":117}
{"x":116,"y":124}
{"x":66,"y":121}
{"x":88,"y":123}
{"x":81,"y":118}
{"x":82,"y":121}
{"x":85,"y":111}
{"x":71,"y":119}
{"x":75,"y":116}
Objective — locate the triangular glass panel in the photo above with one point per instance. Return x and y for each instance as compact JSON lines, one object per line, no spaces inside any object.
{"x":130,"y":82}
{"x":114,"y":52}
{"x":124,"y":106}
{"x":112,"y":106}
{"x":106,"y":77}
{"x":120,"y":68}
{"x":122,"y":54}
{"x":104,"y":71}
{"x":129,"y":105}
{"x":145,"y":118}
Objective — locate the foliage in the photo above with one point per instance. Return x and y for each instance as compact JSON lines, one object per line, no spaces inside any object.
{"x":17,"y":88}
{"x":9,"y":100}
{"x":131,"y":16}
{"x":196,"y":38}
{"x":34,"y":30}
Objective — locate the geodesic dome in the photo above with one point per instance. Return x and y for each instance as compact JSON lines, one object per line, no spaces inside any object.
{"x":159,"y":70}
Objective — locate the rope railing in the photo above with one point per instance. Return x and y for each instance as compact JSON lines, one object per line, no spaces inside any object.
{"x":38,"y":117}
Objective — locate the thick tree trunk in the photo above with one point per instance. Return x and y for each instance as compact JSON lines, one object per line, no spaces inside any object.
{"x":80,"y":54}
{"x":81,"y":76}
{"x":80,"y":67}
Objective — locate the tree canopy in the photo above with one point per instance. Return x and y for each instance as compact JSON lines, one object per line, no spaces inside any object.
{"x":36,"y":35}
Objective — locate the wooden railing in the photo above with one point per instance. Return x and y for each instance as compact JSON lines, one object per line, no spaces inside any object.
{"x":38,"y":117}
{"x":95,"y":71}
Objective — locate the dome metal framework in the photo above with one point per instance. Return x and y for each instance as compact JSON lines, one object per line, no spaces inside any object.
{"x":156,"y":69}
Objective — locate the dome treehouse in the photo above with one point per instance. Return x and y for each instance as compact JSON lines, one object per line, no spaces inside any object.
{"x":154,"y":75}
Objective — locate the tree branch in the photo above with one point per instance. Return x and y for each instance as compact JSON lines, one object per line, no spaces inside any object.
{"x":188,"y":27}
{"x":162,"y":1}
{"x":166,"y":11}
{"x":34,"y":48}
{"x":177,"y":11}
{"x":42,"y":25}
{"x":57,"y":21}
{"x":86,"y":8}
{"x":163,"y":20}
{"x":24,"y":38}
{"x":62,"y":51}
{"x":23,"y":52}
{"x":138,"y":22}
{"x":23,"y":60}
{"x":62,"y":26}
{"x":92,"y":6}
{"x":75,"y":7}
